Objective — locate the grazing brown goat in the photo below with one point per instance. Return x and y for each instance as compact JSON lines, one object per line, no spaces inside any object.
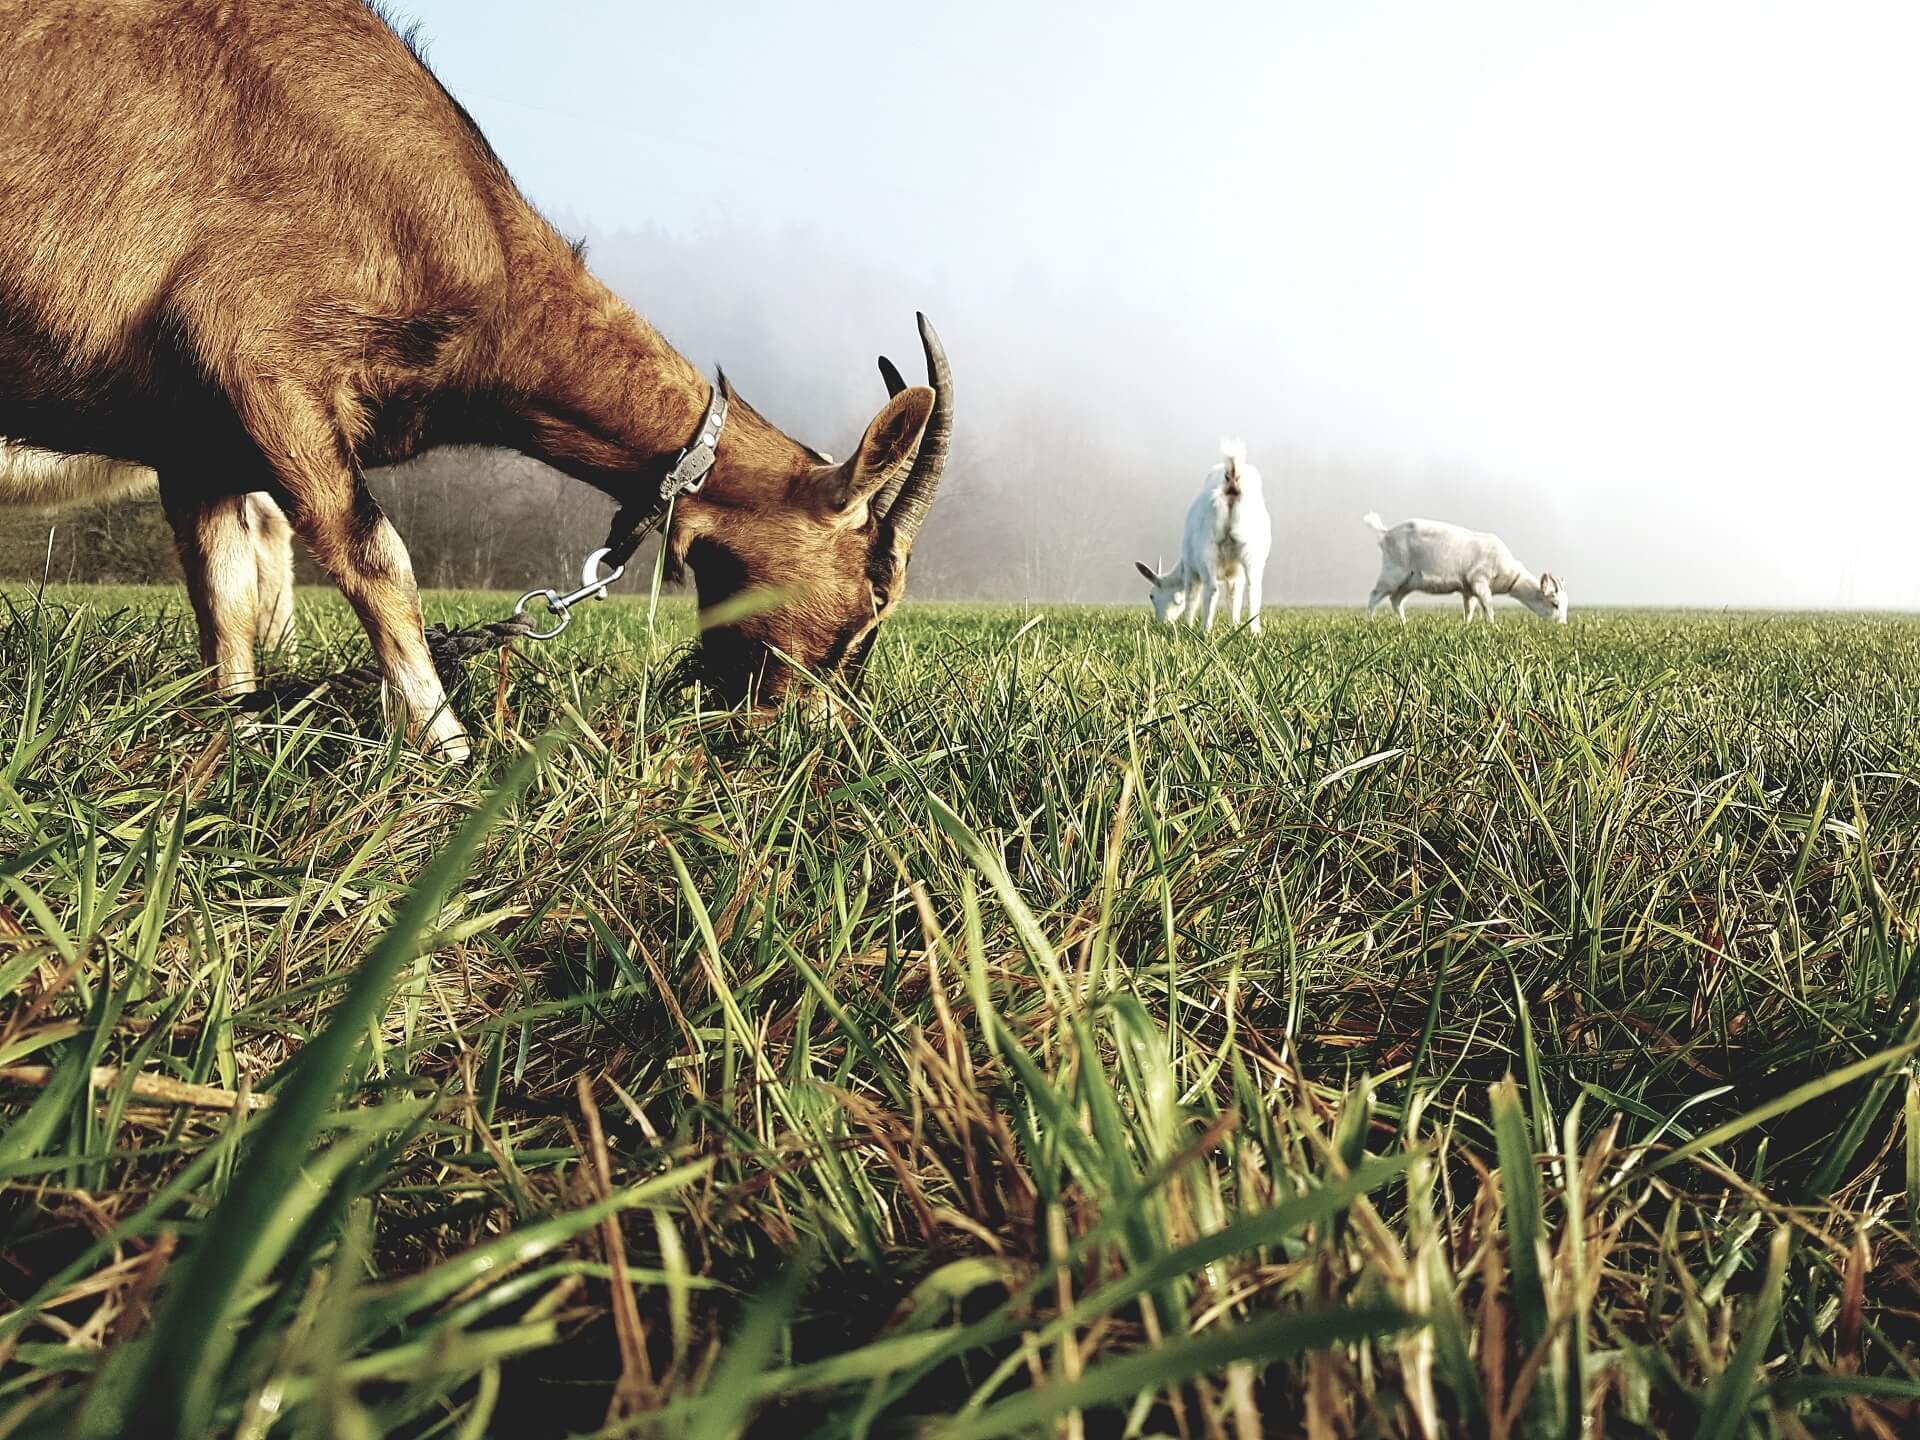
{"x":255,"y":246}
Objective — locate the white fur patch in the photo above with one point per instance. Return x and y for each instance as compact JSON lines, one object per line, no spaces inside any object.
{"x":33,"y":479}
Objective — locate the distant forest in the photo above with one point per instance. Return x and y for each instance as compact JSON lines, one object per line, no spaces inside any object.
{"x":1063,"y":474}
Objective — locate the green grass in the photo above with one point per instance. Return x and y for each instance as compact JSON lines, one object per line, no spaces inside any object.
{"x":1358,"y":1030}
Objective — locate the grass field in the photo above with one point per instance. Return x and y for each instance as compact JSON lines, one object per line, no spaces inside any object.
{"x":1353,"y":1031}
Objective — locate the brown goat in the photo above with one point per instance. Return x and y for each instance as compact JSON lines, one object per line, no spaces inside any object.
{"x":255,"y":246}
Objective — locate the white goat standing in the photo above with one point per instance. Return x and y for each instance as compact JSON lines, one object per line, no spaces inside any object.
{"x":1228,"y":536}
{"x":1436,"y":558}
{"x":45,"y":481}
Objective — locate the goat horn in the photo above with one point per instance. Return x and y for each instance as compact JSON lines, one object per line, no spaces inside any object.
{"x":905,"y":508}
{"x":891,"y":375}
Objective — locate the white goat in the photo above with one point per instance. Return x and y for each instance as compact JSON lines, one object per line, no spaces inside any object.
{"x":1226,"y":543}
{"x":46,"y":480}
{"x":1436,"y":558}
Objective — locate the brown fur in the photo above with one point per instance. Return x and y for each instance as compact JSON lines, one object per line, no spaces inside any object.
{"x":254,"y":245}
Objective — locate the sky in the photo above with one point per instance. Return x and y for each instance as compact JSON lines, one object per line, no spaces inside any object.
{"x":1633,"y":284}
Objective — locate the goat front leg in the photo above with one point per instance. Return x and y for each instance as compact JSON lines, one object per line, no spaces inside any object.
{"x":363,"y":553}
{"x":332,"y":510}
{"x":1253,"y":601}
{"x":1484,"y":594}
{"x":336,"y":515}
{"x":1236,"y":598}
{"x":273,"y":566}
{"x":1212,"y":601}
{"x":217,"y":554}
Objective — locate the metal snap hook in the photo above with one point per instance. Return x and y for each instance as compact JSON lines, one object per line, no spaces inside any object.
{"x":555,"y":606}
{"x":593,"y":586}
{"x":590,"y":576}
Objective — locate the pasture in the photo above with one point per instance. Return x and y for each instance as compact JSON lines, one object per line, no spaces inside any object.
{"x":1355,"y":1031}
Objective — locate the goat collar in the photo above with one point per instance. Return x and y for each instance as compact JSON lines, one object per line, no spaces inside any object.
{"x":690,"y":469}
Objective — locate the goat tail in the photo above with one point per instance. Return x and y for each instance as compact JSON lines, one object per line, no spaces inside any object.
{"x":1374,"y":523}
{"x":1234,"y":452}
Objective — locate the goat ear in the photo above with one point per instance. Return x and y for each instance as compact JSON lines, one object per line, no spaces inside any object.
{"x":1151,"y":578}
{"x":886,"y":450}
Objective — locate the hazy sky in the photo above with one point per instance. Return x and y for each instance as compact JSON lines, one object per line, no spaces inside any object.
{"x":1647,"y":270}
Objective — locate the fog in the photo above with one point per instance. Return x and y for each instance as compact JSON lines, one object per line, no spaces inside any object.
{"x":1632,"y":285}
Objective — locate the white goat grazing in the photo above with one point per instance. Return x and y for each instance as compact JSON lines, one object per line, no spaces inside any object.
{"x":45,"y":480}
{"x":1227,"y":540}
{"x":1436,"y":558}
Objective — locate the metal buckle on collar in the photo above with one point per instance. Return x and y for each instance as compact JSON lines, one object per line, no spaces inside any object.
{"x":695,"y":463}
{"x":690,"y":470}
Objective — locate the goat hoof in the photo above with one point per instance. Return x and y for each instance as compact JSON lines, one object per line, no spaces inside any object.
{"x":446,"y":741}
